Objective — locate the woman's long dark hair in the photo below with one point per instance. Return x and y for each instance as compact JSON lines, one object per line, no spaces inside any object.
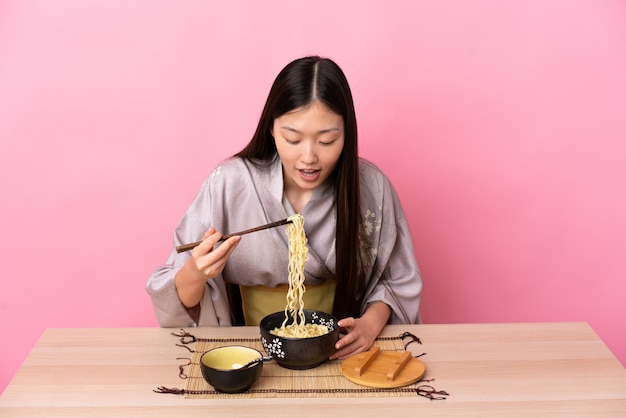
{"x":299,"y":84}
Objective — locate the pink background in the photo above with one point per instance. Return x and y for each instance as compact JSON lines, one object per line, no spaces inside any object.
{"x":501,"y":123}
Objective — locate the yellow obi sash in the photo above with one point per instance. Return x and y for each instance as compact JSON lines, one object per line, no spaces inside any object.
{"x":260,"y":301}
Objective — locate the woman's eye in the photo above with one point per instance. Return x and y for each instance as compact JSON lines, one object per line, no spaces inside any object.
{"x":292,"y":141}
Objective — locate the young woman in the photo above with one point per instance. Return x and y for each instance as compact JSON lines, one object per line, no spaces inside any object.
{"x":303,"y":158}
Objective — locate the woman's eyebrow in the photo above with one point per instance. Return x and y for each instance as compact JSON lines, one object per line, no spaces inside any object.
{"x":322,"y":131}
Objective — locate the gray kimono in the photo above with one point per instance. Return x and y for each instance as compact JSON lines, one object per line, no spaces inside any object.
{"x":239,"y":195}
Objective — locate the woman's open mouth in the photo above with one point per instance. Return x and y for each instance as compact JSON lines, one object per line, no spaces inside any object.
{"x":309,"y":175}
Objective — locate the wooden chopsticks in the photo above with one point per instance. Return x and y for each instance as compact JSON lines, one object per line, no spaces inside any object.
{"x":187,"y":247}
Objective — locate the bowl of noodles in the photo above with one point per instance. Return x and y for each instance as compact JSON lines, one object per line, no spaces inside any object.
{"x":300,"y":342}
{"x":298,"y":338}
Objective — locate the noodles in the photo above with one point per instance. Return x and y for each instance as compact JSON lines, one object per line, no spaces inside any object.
{"x":300,"y":331}
{"x":298,"y":252}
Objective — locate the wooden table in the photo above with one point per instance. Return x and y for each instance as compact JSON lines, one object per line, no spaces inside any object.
{"x":499,"y":370}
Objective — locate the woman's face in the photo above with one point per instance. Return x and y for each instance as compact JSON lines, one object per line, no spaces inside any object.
{"x":309,"y":141}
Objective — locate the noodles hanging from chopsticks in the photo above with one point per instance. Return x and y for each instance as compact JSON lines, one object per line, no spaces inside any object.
{"x":298,"y":253}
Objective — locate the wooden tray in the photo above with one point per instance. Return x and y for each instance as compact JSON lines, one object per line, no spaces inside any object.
{"x":383,"y":369}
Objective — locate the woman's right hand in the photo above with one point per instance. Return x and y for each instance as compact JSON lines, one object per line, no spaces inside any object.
{"x":205,"y":263}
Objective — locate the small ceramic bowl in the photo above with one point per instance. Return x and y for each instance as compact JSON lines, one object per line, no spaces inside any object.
{"x":299,"y":353}
{"x":222,"y":368}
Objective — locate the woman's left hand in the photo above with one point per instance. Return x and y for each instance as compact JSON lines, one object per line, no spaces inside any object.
{"x":361,"y":332}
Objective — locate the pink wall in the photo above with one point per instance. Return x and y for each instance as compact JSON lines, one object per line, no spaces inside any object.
{"x":502,"y":125}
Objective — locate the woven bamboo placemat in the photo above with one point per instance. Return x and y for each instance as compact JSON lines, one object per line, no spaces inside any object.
{"x":325,"y":380}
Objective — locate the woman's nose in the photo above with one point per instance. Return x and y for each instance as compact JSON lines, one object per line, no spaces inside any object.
{"x":309,"y":153}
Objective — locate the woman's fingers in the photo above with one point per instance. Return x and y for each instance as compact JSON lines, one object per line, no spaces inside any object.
{"x":210,"y":238}
{"x":358,"y":337}
{"x":211,"y":261}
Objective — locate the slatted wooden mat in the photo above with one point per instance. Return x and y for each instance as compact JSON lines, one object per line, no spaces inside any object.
{"x":326,"y":380}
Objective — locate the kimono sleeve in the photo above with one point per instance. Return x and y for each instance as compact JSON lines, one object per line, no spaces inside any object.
{"x":169,"y":310}
{"x":394,"y":274}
